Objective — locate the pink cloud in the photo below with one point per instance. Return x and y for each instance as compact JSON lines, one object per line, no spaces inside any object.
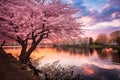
{"x":87,"y":20}
{"x":115,"y":15}
{"x":106,"y":6}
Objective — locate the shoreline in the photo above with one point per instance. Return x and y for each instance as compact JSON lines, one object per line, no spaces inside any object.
{"x":11,"y":69}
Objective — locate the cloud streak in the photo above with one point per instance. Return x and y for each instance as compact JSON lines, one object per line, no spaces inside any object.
{"x":113,"y":23}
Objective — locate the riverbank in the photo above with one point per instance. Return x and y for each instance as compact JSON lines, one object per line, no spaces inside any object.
{"x":11,"y":69}
{"x":89,"y":46}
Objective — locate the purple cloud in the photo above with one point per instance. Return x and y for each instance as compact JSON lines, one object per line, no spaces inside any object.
{"x":111,"y":12}
{"x":115,"y":2}
{"x":107,"y":14}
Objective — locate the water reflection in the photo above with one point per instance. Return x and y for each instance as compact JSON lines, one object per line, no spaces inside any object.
{"x":116,"y":57}
{"x":102,"y":64}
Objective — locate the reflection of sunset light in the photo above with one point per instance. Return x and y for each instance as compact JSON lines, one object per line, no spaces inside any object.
{"x":88,"y":70}
{"x":107,"y":50}
{"x":14,"y":50}
{"x":49,"y":55}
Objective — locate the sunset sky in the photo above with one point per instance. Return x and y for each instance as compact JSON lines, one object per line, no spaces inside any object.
{"x":98,"y":16}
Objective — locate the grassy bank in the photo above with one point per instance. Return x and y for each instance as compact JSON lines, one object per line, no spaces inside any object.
{"x":11,"y":69}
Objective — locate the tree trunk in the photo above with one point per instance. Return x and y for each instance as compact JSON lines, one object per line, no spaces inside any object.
{"x":25,"y":54}
{"x":3,"y":43}
{"x":22,"y":57}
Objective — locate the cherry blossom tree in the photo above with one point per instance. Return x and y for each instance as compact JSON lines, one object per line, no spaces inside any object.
{"x":28,"y":22}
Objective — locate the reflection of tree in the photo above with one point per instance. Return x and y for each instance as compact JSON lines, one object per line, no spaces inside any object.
{"x":116,"y":56}
{"x":86,"y":52}
{"x":91,"y":50}
{"x":76,"y":51}
{"x":80,"y":51}
{"x":72,"y":50}
{"x":102,"y":54}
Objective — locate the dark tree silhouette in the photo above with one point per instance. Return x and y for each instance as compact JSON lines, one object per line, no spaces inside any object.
{"x":101,"y":39}
{"x":115,"y":36}
{"x":91,"y":41}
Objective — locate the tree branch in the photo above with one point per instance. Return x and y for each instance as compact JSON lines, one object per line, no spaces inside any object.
{"x":27,"y":37}
{"x":3,"y":43}
{"x":7,"y":36}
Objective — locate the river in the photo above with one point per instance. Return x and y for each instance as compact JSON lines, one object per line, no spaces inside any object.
{"x":95,"y":64}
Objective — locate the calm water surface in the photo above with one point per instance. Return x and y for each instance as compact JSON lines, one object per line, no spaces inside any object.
{"x":95,"y":64}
